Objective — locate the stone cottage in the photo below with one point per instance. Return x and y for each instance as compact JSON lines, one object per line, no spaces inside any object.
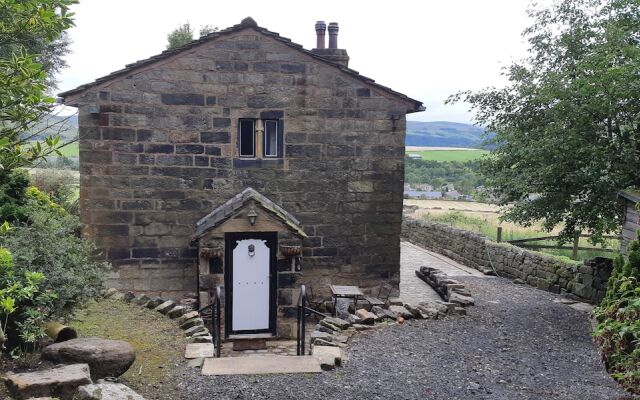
{"x":243,"y":160}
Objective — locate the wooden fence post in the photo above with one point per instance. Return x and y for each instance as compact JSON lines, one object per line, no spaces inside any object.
{"x":576,"y":243}
{"x":499,"y":234}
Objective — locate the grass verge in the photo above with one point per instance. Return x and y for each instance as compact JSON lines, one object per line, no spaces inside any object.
{"x":157,"y":340}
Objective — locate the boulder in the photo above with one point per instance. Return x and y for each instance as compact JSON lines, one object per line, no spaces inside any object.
{"x":317,"y":335}
{"x":117,"y":296}
{"x":154,"y":302}
{"x":366,"y":317}
{"x":141,"y":300}
{"x":177,"y":312}
{"x":329,"y":356}
{"x":105,"y":357}
{"x":342,"y":307}
{"x":129,"y":297}
{"x":60,"y":382}
{"x":110,"y":292}
{"x":165,"y":307}
{"x":401,"y":312}
{"x":107,"y":391}
{"x":202,"y":339}
{"x":428,"y":312}
{"x":185,"y":317}
{"x":338,"y":322}
{"x":329,"y":325}
{"x":191,"y":323}
{"x":461,"y":299}
{"x":382,"y":313}
{"x":195,"y":329}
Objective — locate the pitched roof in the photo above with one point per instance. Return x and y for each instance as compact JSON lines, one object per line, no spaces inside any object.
{"x":233,"y":206}
{"x":246,"y":23}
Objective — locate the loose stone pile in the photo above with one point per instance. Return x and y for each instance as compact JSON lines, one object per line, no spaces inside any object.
{"x":449,"y":289}
{"x":189,"y":320}
{"x":332,"y":333}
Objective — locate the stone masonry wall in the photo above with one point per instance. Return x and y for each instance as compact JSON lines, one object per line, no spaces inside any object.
{"x":158,"y":151}
{"x":587,"y":281}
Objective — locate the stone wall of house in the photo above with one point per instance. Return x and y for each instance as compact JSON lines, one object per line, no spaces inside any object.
{"x":158,"y":152}
{"x":630,"y":226}
{"x":586,"y":280}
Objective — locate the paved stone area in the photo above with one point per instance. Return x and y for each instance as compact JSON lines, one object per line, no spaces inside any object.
{"x":412,"y":289}
{"x":274,"y":347}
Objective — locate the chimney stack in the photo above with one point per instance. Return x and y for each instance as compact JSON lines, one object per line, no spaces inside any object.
{"x":333,"y":35}
{"x":321,"y":28}
{"x":333,"y":53}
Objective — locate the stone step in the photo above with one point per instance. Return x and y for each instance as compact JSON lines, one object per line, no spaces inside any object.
{"x":198,"y":350}
{"x":261,"y":365}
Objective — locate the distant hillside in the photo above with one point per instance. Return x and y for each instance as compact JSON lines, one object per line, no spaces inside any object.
{"x":444,"y":134}
{"x":51,"y":125}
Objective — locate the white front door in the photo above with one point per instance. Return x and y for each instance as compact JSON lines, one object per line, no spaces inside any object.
{"x":251,"y":283}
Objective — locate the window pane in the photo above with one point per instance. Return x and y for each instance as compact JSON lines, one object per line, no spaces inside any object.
{"x":271,"y":138}
{"x":247,"y":138}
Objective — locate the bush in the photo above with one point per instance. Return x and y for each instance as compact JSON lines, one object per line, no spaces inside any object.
{"x":24,"y":303}
{"x":618,"y":331}
{"x":51,"y":244}
{"x":60,"y":186}
{"x":13,"y":187}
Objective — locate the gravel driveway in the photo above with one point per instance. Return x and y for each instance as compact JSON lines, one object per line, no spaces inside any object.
{"x":514,"y":344}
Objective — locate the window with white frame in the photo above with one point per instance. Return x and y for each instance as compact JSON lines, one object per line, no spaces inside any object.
{"x":260,"y":138}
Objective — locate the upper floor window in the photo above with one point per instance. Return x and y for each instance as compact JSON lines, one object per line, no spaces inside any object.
{"x":271,"y":138}
{"x":260,"y":138}
{"x":247,"y":137}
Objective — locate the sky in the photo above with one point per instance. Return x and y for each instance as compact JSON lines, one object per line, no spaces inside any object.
{"x":426,"y":49}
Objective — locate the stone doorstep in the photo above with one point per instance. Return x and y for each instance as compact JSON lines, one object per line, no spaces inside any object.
{"x":261,"y":365}
{"x":198,"y":350}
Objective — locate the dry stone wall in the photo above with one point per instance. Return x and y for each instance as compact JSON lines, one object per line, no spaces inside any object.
{"x":587,"y":281}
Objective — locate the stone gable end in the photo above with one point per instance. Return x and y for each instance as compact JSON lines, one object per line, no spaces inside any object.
{"x":158,"y":151}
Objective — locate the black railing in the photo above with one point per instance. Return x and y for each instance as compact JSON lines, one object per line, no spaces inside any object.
{"x":302,"y":320}
{"x":214,"y":326}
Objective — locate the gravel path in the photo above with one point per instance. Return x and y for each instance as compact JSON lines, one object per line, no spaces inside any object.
{"x":514,"y":344}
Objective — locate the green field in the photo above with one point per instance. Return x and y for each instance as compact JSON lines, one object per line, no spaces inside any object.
{"x":450,"y":155}
{"x":70,"y":150}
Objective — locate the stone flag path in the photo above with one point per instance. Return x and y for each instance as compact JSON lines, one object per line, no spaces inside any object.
{"x":412,"y":289}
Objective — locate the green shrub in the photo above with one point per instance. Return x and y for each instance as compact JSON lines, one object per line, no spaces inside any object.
{"x":13,"y":187}
{"x":618,"y":331}
{"x":24,"y":303}
{"x":61,"y":186}
{"x":50,"y":244}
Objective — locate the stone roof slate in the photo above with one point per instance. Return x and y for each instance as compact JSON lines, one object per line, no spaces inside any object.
{"x":235,"y":204}
{"x":246,"y":23}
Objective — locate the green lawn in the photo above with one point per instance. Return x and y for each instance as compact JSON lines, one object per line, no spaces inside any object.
{"x":450,"y":155}
{"x":70,"y":150}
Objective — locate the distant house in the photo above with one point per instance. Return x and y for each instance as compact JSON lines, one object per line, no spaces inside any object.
{"x":415,"y":156}
{"x":631,"y":223}
{"x":452,"y":195}
{"x":418,"y":194}
{"x":425,"y":187}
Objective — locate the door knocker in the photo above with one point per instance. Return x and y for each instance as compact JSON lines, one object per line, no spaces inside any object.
{"x":252,"y":250}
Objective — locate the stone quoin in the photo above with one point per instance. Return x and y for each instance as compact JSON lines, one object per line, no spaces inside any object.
{"x":244,"y":161}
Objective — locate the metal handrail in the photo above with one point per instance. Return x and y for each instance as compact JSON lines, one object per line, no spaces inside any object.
{"x":302,"y":320}
{"x":214,"y":328}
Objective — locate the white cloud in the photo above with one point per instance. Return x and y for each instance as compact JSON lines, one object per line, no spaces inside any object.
{"x":426,"y":49}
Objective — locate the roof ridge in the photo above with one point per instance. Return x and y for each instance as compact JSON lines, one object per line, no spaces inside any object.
{"x":249,"y":24}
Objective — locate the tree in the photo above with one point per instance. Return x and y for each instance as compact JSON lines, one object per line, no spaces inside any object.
{"x":23,"y":80}
{"x":568,"y":123}
{"x":180,"y":36}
